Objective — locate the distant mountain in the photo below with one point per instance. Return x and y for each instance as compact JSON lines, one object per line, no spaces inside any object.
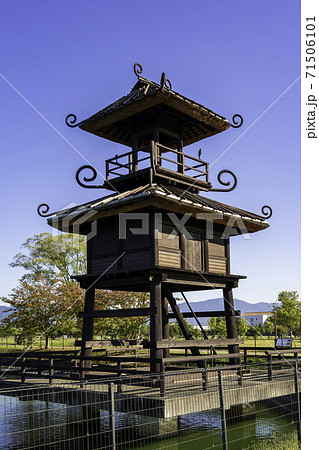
{"x":217,"y":304}
{"x":4,"y":311}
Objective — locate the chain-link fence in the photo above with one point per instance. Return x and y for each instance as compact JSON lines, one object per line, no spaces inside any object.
{"x":231,"y":407}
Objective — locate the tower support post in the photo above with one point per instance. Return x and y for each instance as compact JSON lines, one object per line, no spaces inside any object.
{"x":156,"y":328}
{"x":87,"y":325}
{"x":231,"y":325}
{"x":165,"y":323}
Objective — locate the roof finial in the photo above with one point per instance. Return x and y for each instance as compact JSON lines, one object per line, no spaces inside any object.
{"x":138,"y":69}
{"x":165,"y":83}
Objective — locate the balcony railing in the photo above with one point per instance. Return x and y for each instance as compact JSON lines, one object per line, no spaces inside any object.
{"x":161,"y":159}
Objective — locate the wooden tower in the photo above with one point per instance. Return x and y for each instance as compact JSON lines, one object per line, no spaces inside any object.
{"x":155,"y":233}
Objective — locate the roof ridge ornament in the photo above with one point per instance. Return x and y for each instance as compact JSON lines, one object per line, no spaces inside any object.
{"x":267,"y":211}
{"x":165,"y":82}
{"x":87,"y":179}
{"x":45,"y":208}
{"x":225,"y":183}
{"x":138,"y":69}
{"x":70,"y":120}
{"x":235,"y":123}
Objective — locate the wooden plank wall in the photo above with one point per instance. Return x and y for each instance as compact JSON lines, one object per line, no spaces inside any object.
{"x":192,"y":252}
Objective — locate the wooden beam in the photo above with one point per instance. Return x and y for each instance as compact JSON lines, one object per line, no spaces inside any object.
{"x":130,"y":312}
{"x":202,"y":357}
{"x":180,"y":319}
{"x":194,"y":315}
{"x":169,"y":343}
{"x":188,"y":315}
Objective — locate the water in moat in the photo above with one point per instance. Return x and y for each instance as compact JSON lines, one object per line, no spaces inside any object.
{"x":42,"y":425}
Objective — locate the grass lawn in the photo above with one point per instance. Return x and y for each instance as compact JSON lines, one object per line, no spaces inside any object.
{"x":9,"y":344}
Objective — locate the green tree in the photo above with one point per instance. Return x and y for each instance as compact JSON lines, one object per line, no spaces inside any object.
{"x":269,"y":326}
{"x":217,"y":327}
{"x":121,"y":327}
{"x":221,"y":329}
{"x":47,"y":256}
{"x":281,"y":330}
{"x":287,"y":313}
{"x":255,"y":331}
{"x":175,"y":331}
{"x":212,"y":323}
{"x":7,"y":330}
{"x":195,"y":332}
{"x":47,"y":294}
{"x":242,"y":326}
{"x":44,"y":307}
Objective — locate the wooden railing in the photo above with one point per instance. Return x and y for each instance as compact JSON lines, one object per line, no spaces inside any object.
{"x":152,"y":156}
{"x":51,"y":365}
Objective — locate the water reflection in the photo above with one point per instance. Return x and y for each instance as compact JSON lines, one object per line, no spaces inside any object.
{"x":43,"y":425}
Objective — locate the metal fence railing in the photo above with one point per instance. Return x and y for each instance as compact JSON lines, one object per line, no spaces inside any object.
{"x":200,"y":409}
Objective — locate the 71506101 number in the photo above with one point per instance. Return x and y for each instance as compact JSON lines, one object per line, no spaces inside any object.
{"x":310,"y":47}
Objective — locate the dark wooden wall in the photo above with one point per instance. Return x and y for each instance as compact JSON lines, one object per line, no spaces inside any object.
{"x":161,"y":247}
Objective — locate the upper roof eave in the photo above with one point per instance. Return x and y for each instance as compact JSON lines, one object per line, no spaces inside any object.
{"x":145,"y":94}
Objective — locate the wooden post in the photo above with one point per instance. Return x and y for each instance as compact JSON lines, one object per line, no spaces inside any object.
{"x":180,"y":158}
{"x":112,"y":417}
{"x":231,"y":324}
{"x":165,"y":324}
{"x":222,"y":409}
{"x":134,"y":154}
{"x":205,"y":376}
{"x":296,"y":376}
{"x":23,"y":370}
{"x":87,"y":326}
{"x":156,"y":329}
{"x":51,"y":370}
{"x":269,"y":367}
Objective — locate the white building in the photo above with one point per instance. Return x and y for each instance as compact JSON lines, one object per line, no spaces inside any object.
{"x":256,"y":318}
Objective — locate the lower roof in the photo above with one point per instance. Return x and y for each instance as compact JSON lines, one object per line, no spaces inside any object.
{"x":164,"y":197}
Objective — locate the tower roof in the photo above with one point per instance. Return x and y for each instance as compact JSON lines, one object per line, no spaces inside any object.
{"x":167,"y":197}
{"x":114,"y":122}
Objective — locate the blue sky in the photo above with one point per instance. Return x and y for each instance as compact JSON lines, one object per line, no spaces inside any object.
{"x":77,"y":57}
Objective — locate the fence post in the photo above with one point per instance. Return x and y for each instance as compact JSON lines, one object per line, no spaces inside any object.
{"x":222,"y":409}
{"x":240,"y":374}
{"x":112,"y":417}
{"x":245,"y":358}
{"x":119,"y":371}
{"x":269,"y":367}
{"x":162,"y":378}
{"x":296,"y":376}
{"x":39,"y":365}
{"x":279,"y":359}
{"x":51,"y":370}
{"x":22,"y":370}
{"x":82,"y":369}
{"x":135,"y":355}
{"x":204,"y":375}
